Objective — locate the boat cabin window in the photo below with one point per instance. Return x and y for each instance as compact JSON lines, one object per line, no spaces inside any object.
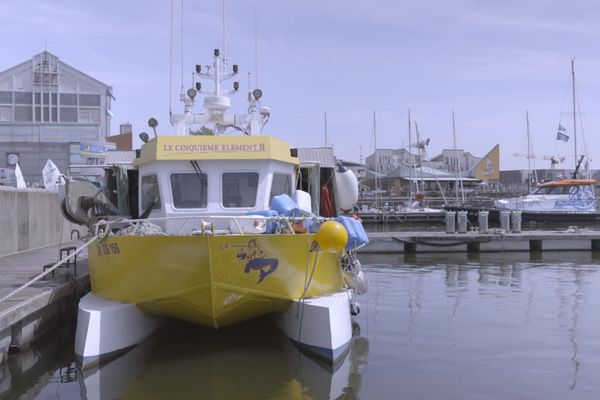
{"x":189,"y":190}
{"x":150,"y":193}
{"x":281,"y":184}
{"x":239,"y":189}
{"x":553,"y":190}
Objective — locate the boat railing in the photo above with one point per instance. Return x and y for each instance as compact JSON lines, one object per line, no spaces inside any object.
{"x":207,"y":223}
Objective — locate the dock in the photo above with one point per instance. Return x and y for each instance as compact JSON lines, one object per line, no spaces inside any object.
{"x":30,"y":313}
{"x":473,"y":241}
{"x":395,"y":217}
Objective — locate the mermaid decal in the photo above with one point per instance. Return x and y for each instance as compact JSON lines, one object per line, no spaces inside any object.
{"x":256,"y":260}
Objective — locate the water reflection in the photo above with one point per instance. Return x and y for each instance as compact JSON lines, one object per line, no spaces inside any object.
{"x":249,"y":361}
{"x":508,"y":325}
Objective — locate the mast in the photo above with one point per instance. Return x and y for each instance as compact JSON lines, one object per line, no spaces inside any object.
{"x":459,"y":178}
{"x":528,"y":154}
{"x":376,"y":161}
{"x":410,"y":159}
{"x":574,"y":109}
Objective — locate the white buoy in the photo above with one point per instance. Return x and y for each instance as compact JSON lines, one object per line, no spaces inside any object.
{"x":346,"y":188}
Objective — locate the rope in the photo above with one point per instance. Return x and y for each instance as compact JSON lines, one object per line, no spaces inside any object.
{"x":43,"y":274}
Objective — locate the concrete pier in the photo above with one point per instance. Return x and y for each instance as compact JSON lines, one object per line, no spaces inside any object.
{"x":420,"y":242}
{"x":31,"y":218}
{"x":30,"y":313}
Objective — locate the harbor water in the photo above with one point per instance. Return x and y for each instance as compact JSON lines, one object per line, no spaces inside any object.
{"x":460,"y":326}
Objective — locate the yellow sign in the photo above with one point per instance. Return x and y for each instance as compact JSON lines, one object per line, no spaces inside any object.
{"x":216,"y":148}
{"x":488,"y":168}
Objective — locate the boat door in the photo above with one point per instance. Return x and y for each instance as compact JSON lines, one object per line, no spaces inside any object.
{"x":309,"y":181}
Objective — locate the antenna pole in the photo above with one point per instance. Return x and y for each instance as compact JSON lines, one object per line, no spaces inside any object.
{"x":171,"y":65}
{"x":325,"y":121}
{"x":255,"y":49}
{"x":182,"y":47}
{"x":224,"y":34}
{"x":574,"y":117}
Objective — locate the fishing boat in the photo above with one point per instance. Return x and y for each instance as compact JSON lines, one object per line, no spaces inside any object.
{"x":216,"y":229}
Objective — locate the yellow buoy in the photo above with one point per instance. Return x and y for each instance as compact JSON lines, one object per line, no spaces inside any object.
{"x":332,"y":237}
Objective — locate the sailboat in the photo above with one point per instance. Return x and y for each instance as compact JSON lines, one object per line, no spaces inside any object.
{"x":212,"y":229}
{"x":569,"y":200}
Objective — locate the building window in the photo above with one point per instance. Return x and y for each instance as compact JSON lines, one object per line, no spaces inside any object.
{"x":23,"y":97}
{"x":5,"y":113}
{"x":89,"y":115}
{"x":38,"y":114}
{"x":6,"y":97}
{"x":46,"y":97}
{"x":281,"y":185}
{"x":189,"y":190}
{"x":68,"y":99}
{"x":23,"y":114}
{"x":239,"y":189}
{"x":150,"y":193}
{"x":68,"y":114}
{"x":89,"y":100}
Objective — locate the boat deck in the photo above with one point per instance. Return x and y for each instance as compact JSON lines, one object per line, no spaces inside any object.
{"x":27,"y":314}
{"x":474,"y":241}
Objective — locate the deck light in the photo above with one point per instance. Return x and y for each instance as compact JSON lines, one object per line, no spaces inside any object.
{"x":198,"y":86}
{"x":236,"y":85}
{"x":235,"y":68}
{"x":144,"y":137}
{"x":198,"y":68}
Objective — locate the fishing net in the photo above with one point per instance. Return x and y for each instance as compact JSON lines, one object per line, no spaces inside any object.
{"x":143,"y":228}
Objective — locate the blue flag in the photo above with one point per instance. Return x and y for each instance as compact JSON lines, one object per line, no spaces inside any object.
{"x":562,"y":136}
{"x":561,"y":128}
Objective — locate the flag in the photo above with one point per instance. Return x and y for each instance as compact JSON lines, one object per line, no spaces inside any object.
{"x":562,"y":136}
{"x":561,"y":128}
{"x":51,"y":174}
{"x":19,"y":175}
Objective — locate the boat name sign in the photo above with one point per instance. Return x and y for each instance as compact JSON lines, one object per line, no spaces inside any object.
{"x":212,"y":148}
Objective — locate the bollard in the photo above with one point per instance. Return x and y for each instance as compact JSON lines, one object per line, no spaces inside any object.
{"x":515,"y":221}
{"x":505,"y":220}
{"x":462,"y":221}
{"x":450,"y":221}
{"x":482,"y":220}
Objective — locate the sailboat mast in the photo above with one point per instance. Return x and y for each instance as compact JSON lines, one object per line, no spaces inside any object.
{"x":528,"y":155}
{"x":455,"y":154}
{"x":410,"y":159}
{"x":376,"y":161}
{"x":574,"y":109}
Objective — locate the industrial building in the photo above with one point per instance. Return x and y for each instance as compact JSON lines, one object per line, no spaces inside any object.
{"x":51,"y":110}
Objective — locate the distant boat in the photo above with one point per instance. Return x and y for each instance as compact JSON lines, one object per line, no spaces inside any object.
{"x":560,"y":199}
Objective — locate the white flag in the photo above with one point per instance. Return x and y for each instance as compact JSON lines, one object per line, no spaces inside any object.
{"x":51,"y":174}
{"x":19,"y":175}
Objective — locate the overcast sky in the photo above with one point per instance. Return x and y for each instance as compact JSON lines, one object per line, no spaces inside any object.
{"x":489,"y":61}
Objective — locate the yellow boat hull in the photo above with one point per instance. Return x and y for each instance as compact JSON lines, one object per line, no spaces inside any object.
{"x":211,"y":280}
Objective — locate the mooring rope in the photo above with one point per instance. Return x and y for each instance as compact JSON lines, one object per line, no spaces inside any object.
{"x":46,"y":272}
